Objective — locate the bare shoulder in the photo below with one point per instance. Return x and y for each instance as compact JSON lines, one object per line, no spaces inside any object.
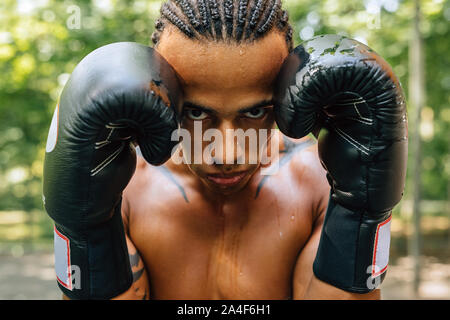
{"x":139,"y":182}
{"x":140,"y":177}
{"x":305,"y":162}
{"x":309,"y":173}
{"x":153,"y":193}
{"x":139,"y":289}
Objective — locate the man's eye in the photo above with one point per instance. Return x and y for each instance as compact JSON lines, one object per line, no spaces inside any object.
{"x":196,"y":114}
{"x":255,"y":113}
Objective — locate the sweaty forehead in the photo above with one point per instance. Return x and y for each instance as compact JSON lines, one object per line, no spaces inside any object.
{"x":208,"y":64}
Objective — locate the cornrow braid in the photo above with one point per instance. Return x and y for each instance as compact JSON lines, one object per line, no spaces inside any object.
{"x":284,"y":19}
{"x":224,"y":20}
{"x":284,"y":26}
{"x":185,"y":5}
{"x":288,"y":38}
{"x":229,"y":16}
{"x":215,"y":15}
{"x":204,"y":14}
{"x":256,"y":12}
{"x":242,"y":14}
{"x":268,"y":22}
{"x":169,"y":13}
{"x":159,"y":27}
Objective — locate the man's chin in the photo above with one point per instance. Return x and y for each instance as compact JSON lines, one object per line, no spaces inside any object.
{"x":228,"y":191}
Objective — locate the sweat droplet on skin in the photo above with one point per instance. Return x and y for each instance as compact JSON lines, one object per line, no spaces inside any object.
{"x":292,"y":217}
{"x":281,"y":234}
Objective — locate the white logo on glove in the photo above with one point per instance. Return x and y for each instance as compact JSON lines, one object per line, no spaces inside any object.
{"x":53,"y":132}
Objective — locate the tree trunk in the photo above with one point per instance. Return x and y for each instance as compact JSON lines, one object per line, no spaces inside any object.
{"x":417,"y":101}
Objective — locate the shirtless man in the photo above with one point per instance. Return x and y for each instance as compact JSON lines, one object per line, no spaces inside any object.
{"x":215,"y":229}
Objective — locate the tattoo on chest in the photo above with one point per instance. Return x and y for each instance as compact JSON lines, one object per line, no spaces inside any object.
{"x":290,"y":149}
{"x":163,"y":169}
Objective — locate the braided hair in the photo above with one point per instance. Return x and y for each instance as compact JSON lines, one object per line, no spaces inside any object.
{"x":224,"y":20}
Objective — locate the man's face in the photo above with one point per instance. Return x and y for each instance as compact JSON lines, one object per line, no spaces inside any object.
{"x":226,"y":87}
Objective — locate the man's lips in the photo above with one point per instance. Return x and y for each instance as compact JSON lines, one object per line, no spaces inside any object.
{"x":228,"y":179}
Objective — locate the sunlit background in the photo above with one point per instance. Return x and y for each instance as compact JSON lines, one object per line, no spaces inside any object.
{"x":41,"y":41}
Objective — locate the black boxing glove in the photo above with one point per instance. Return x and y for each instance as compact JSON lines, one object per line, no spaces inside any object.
{"x":119,"y":94}
{"x":347,"y":95}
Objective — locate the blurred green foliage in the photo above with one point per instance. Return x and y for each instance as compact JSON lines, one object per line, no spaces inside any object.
{"x":40,"y":44}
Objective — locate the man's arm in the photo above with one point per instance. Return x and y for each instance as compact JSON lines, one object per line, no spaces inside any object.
{"x":306,"y":285}
{"x":139,"y":289}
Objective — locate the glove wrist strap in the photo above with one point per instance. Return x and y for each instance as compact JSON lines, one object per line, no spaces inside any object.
{"x":96,"y":264}
{"x":353,"y":251}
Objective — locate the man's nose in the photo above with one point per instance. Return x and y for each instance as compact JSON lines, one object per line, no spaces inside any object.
{"x":233,"y":152}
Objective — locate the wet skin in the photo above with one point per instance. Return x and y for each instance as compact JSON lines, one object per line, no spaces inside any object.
{"x":219,"y":231}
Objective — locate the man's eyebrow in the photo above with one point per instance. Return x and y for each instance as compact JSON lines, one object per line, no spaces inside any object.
{"x":261,"y":104}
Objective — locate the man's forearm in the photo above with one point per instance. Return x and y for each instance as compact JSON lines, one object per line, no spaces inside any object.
{"x":319,"y":290}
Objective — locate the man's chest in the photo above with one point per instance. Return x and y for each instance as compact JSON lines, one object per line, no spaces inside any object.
{"x":233,"y":251}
